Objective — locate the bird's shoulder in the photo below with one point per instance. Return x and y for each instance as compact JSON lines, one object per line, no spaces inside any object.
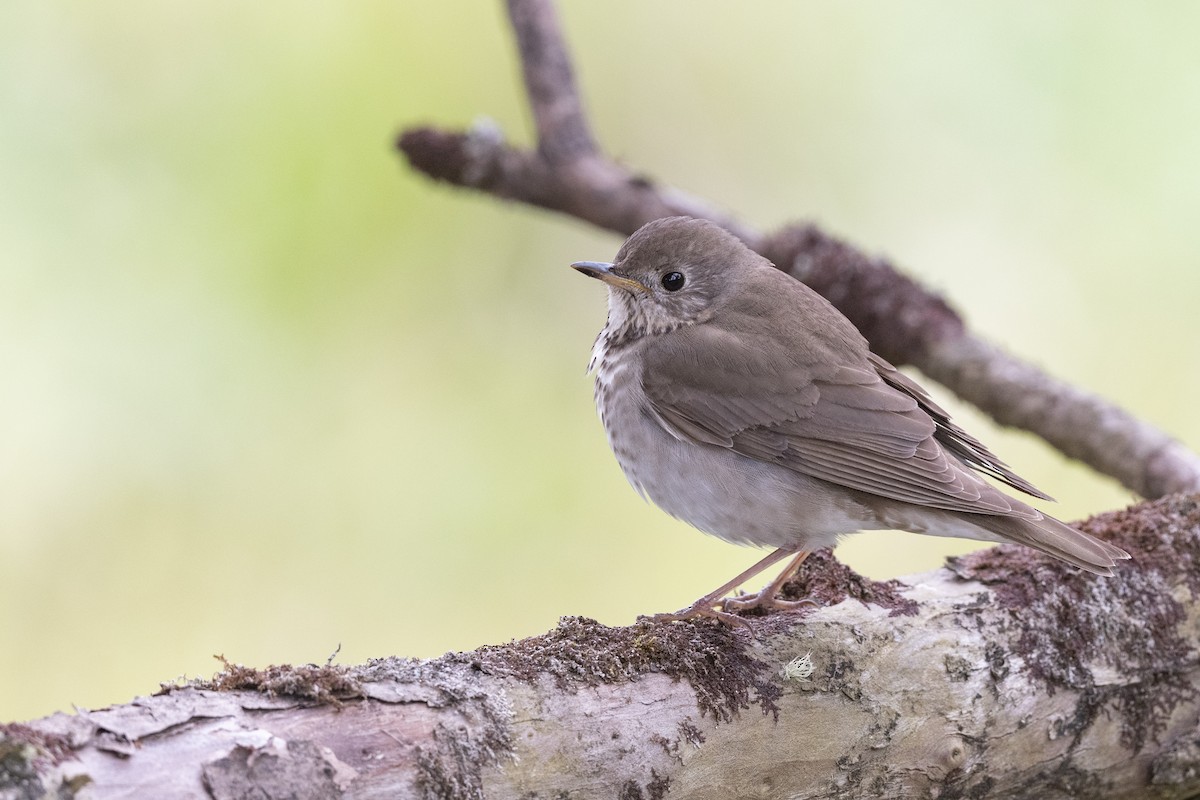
{"x":772,"y":324}
{"x":770,"y":355}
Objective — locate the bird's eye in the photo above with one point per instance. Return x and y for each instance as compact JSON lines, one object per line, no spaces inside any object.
{"x":672,"y":281}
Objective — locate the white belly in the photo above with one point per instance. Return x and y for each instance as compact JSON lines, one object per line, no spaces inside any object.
{"x":720,"y":492}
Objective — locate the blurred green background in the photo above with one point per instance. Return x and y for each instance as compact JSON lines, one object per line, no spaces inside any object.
{"x":264,"y":391}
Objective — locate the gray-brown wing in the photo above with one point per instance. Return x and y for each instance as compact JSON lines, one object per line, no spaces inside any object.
{"x":962,"y":444}
{"x":821,"y":409}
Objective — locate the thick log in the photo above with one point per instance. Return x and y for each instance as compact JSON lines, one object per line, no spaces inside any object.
{"x":1005,"y":674}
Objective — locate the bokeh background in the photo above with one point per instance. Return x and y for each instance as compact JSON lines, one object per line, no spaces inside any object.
{"x":264,"y":391}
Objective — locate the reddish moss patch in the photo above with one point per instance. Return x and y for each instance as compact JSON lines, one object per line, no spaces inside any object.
{"x":1072,"y":621}
{"x":827,"y":581}
{"x":322,"y":684}
{"x":582,"y":652}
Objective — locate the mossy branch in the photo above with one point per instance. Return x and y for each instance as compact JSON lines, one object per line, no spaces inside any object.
{"x":1007,"y":674}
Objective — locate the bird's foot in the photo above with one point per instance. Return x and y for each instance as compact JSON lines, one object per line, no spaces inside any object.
{"x":715,"y":605}
{"x":722,"y":609}
{"x":764,"y":600}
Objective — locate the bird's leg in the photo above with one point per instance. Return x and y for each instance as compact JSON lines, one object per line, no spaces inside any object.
{"x":766,"y":597}
{"x":706,"y":606}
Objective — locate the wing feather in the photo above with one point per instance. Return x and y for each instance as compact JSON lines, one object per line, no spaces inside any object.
{"x":823,"y":405}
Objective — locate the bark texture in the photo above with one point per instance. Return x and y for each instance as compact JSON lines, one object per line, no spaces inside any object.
{"x":1005,"y":674}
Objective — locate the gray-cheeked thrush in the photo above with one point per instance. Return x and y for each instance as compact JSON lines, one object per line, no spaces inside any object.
{"x":740,"y":401}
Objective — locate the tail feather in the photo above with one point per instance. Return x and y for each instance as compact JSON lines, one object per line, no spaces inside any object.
{"x":1059,"y":540}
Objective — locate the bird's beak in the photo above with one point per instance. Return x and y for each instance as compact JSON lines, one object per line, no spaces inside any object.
{"x":604,"y":271}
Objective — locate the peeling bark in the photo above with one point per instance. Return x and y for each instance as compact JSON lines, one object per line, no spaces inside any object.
{"x":1005,"y":674}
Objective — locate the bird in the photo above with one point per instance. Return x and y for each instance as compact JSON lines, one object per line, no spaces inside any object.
{"x":740,"y":401}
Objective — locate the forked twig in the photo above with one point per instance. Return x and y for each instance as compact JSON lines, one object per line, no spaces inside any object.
{"x":905,"y":322}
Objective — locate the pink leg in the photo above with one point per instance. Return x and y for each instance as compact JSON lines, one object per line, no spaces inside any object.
{"x":706,"y":606}
{"x":767,"y":597}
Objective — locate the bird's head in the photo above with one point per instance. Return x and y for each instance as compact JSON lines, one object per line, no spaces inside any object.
{"x":672,"y":272}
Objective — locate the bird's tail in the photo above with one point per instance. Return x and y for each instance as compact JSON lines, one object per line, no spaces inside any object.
{"x":1057,"y":539}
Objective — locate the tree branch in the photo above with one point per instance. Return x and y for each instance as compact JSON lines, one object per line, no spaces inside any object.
{"x":594,"y":190}
{"x":908,"y":324}
{"x":1008,"y":674}
{"x":905,"y":322}
{"x":562,"y":130}
{"x":1083,"y":426}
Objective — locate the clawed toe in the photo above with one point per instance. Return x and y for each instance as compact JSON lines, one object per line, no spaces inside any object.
{"x":760,"y":600}
{"x":722,"y":610}
{"x":716,"y":605}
